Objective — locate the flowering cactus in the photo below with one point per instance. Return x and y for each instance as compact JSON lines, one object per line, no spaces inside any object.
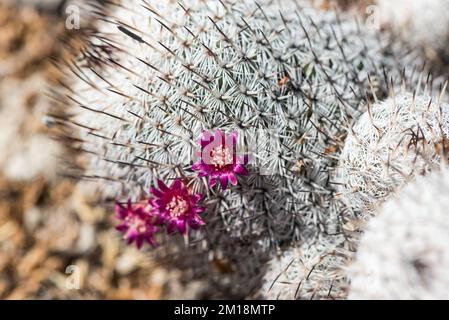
{"x":172,"y":206}
{"x":404,"y":253}
{"x":396,"y":140}
{"x":137,"y":224}
{"x":283,"y":87}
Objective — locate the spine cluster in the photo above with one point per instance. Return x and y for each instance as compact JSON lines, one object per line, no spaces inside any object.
{"x":393,"y":142}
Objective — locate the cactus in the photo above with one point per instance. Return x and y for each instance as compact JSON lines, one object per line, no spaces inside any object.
{"x":175,"y":72}
{"x":394,"y":141}
{"x":404,"y":253}
{"x":310,"y":271}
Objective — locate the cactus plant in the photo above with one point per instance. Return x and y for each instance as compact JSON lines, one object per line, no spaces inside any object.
{"x":394,"y":141}
{"x":309,"y":271}
{"x":415,"y":23}
{"x":284,"y":83}
{"x":404,"y":253}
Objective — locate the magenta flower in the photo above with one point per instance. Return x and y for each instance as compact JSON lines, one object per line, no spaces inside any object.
{"x":219,"y":160}
{"x":176,"y":206}
{"x":137,"y":223}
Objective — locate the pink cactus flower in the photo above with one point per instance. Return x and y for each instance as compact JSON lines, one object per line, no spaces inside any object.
{"x":176,"y":206}
{"x":219,"y":160}
{"x":137,"y":223}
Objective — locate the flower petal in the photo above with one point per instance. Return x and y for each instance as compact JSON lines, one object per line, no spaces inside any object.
{"x":199,"y":209}
{"x":239,"y":169}
{"x":232,"y":178}
{"x":234,"y":136}
{"x":198,"y":220}
{"x":162,"y":186}
{"x":212,"y":182}
{"x":171,"y":227}
{"x":177,"y":184}
{"x":139,"y":242}
{"x":197,"y":197}
{"x":122,"y":228}
{"x":224,"y":181}
{"x":182,"y":227}
{"x":156,"y":192}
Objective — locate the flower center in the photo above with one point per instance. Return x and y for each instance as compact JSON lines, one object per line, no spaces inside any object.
{"x":221,"y":156}
{"x":136,"y":223}
{"x":177,"y":206}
